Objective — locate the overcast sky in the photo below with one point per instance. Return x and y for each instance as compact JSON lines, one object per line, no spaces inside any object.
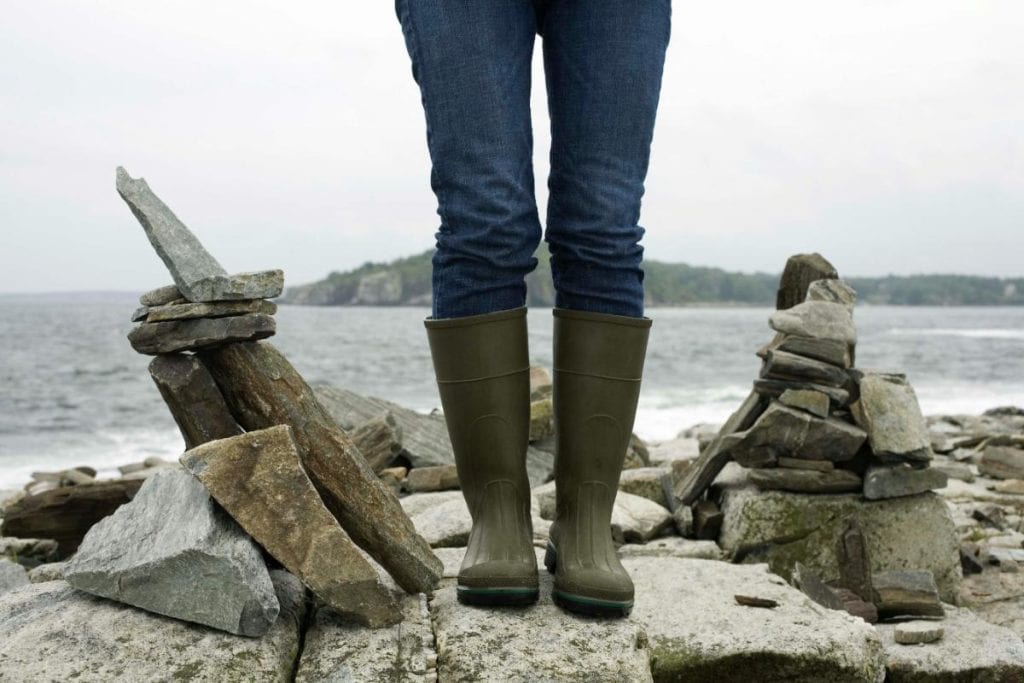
{"x":887,"y":134}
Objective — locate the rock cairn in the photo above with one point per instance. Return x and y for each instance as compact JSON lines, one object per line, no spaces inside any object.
{"x":814,"y":423}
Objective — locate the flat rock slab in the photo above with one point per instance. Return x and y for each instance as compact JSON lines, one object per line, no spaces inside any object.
{"x":172,"y":551}
{"x":698,"y":632}
{"x":258,"y":478}
{"x":536,"y":643}
{"x":805,"y":481}
{"x":816,"y":319}
{"x":52,"y":632}
{"x":221,"y":309}
{"x":970,"y":650}
{"x":781,"y":528}
{"x":793,"y":433}
{"x":889,"y":412}
{"x":191,"y":335}
{"x":900,"y":480}
{"x":335,"y":649}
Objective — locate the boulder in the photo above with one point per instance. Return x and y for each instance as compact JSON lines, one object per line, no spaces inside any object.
{"x":698,"y":632}
{"x":888,"y":411}
{"x":816,"y":319}
{"x":258,"y":478}
{"x":900,"y":480}
{"x":781,"y":528}
{"x":645,"y":482}
{"x":1002,"y":462}
{"x":801,"y":270}
{"x":971,"y":650}
{"x":172,"y":551}
{"x":12,"y":575}
{"x":785,"y":431}
{"x":53,"y":632}
{"x":192,"y":335}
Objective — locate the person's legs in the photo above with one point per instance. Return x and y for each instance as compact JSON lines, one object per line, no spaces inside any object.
{"x":472,"y":61}
{"x":603,"y":62}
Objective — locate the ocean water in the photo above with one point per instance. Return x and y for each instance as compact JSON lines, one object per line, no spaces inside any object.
{"x":73,"y":392}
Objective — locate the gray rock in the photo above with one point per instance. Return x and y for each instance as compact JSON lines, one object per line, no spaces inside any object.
{"x":774,"y":388}
{"x":12,"y":576}
{"x":1002,"y":462}
{"x":638,"y":518}
{"x":335,"y":649}
{"x":645,"y":482}
{"x":854,"y":560}
{"x":798,"y":464}
{"x":53,"y":571}
{"x":673,"y":546}
{"x":789,"y":366}
{"x":180,"y":250}
{"x":903,"y":593}
{"x":900,"y":480}
{"x":781,"y":528}
{"x":801,"y":270}
{"x":833,"y":351}
{"x":161,"y":296}
{"x":834,"y":290}
{"x":816,"y":319}
{"x":53,"y":632}
{"x":220,"y":309}
{"x":380,"y":442}
{"x":918,"y":632}
{"x":698,"y":632}
{"x":971,"y":650}
{"x":805,"y":481}
{"x":202,"y":333}
{"x":194,"y":400}
{"x":814,"y":402}
{"x":173,"y":552}
{"x":30,"y":550}
{"x":785,"y":431}
{"x":140,"y":314}
{"x":437,"y":478}
{"x":538,"y":643}
{"x":888,"y":411}
{"x":955,"y":470}
{"x":811,"y":585}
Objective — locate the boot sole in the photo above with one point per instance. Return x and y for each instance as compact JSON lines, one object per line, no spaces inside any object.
{"x":510,"y":596}
{"x":582,"y":604}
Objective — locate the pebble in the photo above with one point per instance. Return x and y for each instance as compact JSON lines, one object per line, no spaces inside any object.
{"x":918,"y":632}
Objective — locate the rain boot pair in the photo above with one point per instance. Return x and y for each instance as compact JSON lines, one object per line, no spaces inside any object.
{"x":481,"y":363}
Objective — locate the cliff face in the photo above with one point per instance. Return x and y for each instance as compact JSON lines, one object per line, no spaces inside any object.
{"x":407,"y":282}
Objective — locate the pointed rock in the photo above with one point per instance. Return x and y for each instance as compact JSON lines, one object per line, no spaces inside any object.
{"x":193,"y":399}
{"x":800,"y":271}
{"x":173,"y":552}
{"x":258,"y":478}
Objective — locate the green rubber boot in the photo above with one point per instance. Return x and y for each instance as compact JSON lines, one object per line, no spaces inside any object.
{"x":598,"y":363}
{"x":483,"y":376}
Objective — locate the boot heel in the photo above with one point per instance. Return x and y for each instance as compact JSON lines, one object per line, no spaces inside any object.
{"x":550,"y":558}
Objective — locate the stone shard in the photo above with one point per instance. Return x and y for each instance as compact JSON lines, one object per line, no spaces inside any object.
{"x":888,"y":411}
{"x":806,"y":481}
{"x":52,"y":632}
{"x":193,"y":398}
{"x":790,"y":366}
{"x":712,"y":638}
{"x":798,"y":464}
{"x":1002,"y":462}
{"x":263,"y":390}
{"x":816,"y":319}
{"x":854,"y":560}
{"x":258,"y":478}
{"x":202,"y":333}
{"x":685,"y":490}
{"x":813,"y":587}
{"x":781,"y":528}
{"x":800,"y":271}
{"x":65,"y":514}
{"x":813,"y":402}
{"x":161,"y":296}
{"x":220,"y":309}
{"x":645,"y":482}
{"x":906,"y":593}
{"x":857,"y":606}
{"x":792,"y":433}
{"x":774,"y":388}
{"x":173,"y":552}
{"x":180,"y":250}
{"x":900,"y":480}
{"x":707,"y":520}
{"x":834,"y":290}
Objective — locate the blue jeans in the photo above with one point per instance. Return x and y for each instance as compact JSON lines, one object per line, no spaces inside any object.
{"x":603,"y":62}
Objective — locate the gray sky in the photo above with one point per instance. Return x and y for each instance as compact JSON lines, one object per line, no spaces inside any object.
{"x":887,"y":134}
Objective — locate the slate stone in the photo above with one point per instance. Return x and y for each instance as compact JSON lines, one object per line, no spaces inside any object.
{"x":782,"y":528}
{"x":805,"y":481}
{"x":789,"y":366}
{"x":774,"y":388}
{"x":799,"y":464}
{"x":161,"y":296}
{"x":854,"y":560}
{"x":900,"y":480}
{"x":832,"y":351}
{"x":811,"y":585}
{"x":800,"y":271}
{"x":816,"y":319}
{"x":834,"y":290}
{"x":697,"y":631}
{"x":263,"y":390}
{"x":193,"y":398}
{"x":857,"y":606}
{"x":707,"y":520}
{"x":264,"y":284}
{"x":220,"y":309}
{"x":12,"y":575}
{"x":813,"y":402}
{"x":140,"y":314}
{"x":888,"y":411}
{"x":202,"y":333}
{"x":1002,"y":462}
{"x":258,"y":478}
{"x":184,"y":255}
{"x":379,"y":440}
{"x":173,"y":552}
{"x":906,"y":593}
{"x":52,"y":632}
{"x":792,"y":433}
